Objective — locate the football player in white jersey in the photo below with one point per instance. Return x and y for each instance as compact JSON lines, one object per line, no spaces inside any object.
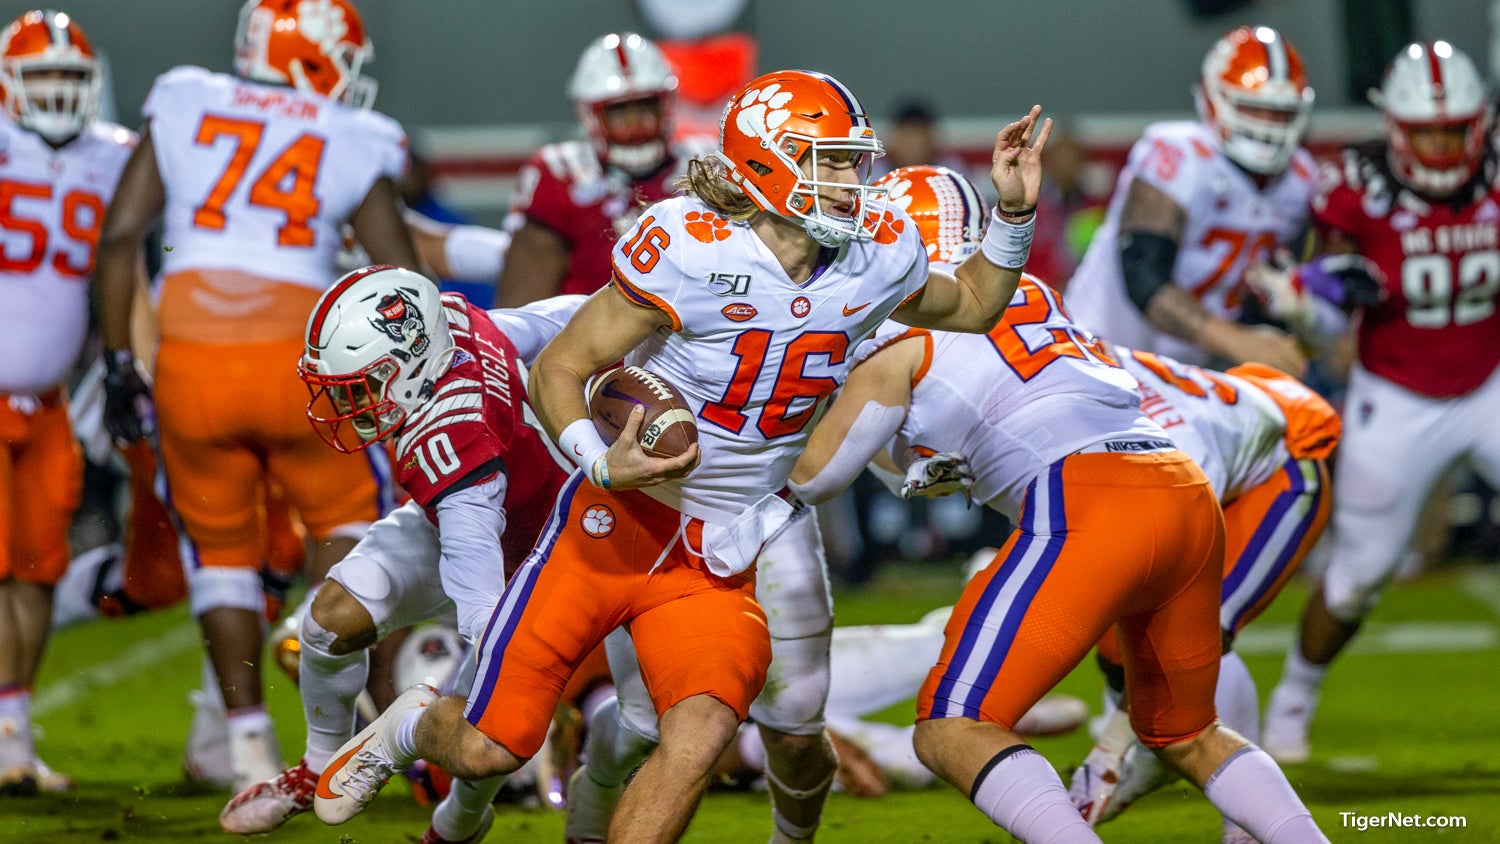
{"x":58,"y":169}
{"x":1049,"y":430}
{"x":254,"y":176}
{"x":748,"y":295}
{"x":1199,"y":202}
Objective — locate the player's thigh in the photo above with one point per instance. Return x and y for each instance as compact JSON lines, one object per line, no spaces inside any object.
{"x":1268,"y":531}
{"x":47,"y":479}
{"x":332,"y":492}
{"x":1481,"y":413}
{"x":393,"y":571}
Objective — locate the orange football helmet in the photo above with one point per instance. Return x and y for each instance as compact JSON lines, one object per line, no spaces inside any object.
{"x":783,"y":118}
{"x":49,"y":75}
{"x":1254,"y":93}
{"x":945,"y":205}
{"x":318,"y":46}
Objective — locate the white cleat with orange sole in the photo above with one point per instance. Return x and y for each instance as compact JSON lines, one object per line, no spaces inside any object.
{"x":368,"y":761}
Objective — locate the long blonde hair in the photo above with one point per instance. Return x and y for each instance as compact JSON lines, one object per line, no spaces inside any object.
{"x":706,"y":180}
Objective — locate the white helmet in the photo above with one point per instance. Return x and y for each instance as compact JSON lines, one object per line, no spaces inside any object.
{"x":618,"y":68}
{"x":1250,"y":73}
{"x":431,"y":655}
{"x":376,"y":343}
{"x":1433,"y":84}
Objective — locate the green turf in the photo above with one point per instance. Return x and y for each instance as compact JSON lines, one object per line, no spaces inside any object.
{"x":1410,"y":733}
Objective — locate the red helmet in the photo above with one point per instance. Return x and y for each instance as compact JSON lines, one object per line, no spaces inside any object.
{"x":945,"y":205}
{"x":318,"y":46}
{"x":1433,"y":84}
{"x":39,"y":42}
{"x":1251,"y":74}
{"x":621,"y":68}
{"x":776,"y":121}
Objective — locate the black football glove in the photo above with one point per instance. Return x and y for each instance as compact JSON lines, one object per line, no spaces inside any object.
{"x":128,"y":414}
{"x":1349,"y":281}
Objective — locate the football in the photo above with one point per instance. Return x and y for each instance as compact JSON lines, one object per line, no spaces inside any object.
{"x":669,"y":427}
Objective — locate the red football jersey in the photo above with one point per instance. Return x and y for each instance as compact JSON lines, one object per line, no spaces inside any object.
{"x":566,"y":189}
{"x":476,"y":425}
{"x":1437,"y":333}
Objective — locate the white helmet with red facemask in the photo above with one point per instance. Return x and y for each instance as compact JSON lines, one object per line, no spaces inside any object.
{"x":1433,"y":85}
{"x":376,"y":343}
{"x":619,"y":69}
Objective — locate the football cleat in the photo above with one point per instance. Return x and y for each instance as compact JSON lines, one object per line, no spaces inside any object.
{"x":266,"y":805}
{"x":488,"y":820}
{"x":1093,"y":784}
{"x":367,"y":762}
{"x":50,"y":781}
{"x":19,"y":781}
{"x":1288,"y":718}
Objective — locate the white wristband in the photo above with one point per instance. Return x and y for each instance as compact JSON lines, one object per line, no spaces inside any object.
{"x":582,"y":443}
{"x":475,"y":253}
{"x":1006,"y":244}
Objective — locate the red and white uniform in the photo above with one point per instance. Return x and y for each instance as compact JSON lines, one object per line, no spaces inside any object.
{"x":1230,"y":224}
{"x":52,"y":202}
{"x":566,"y":188}
{"x":1261,"y":437}
{"x":1426,"y":390}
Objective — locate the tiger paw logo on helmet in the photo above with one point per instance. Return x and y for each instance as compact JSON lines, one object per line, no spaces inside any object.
{"x":706,"y":226}
{"x":761,"y":110}
{"x":399,"y":318}
{"x":321,"y":22}
{"x":598,"y":521}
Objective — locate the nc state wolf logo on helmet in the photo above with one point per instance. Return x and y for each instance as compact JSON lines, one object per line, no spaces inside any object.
{"x":399,"y":318}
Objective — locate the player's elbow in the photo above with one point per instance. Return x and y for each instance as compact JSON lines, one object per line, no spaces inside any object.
{"x":1146,"y":262}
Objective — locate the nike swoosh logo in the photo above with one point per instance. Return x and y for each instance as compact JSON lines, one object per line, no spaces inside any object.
{"x":848,"y":311}
{"x":323,"y":791}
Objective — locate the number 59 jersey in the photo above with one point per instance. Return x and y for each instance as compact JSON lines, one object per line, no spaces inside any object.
{"x":259,"y":178}
{"x":754,"y":354}
{"x":52,"y":203}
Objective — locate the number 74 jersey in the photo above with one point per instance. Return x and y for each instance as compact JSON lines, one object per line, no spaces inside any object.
{"x":754,"y":354}
{"x":260,"y":178}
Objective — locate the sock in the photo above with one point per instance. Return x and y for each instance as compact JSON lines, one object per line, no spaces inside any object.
{"x":16,"y":747}
{"x":787,"y":832}
{"x":1299,"y":672}
{"x":330,"y":685}
{"x":1235,"y":698}
{"x":406,"y":738}
{"x":1253,"y":793}
{"x":611,"y":751}
{"x":254,"y":754}
{"x":461,"y":812}
{"x":1020,"y":792}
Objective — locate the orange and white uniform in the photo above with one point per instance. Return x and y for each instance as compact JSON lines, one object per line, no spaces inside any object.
{"x":259,"y":178}
{"x":1230,"y":225}
{"x":1262,"y":437}
{"x":754,"y":355}
{"x":52,"y":202}
{"x":1115,"y":524}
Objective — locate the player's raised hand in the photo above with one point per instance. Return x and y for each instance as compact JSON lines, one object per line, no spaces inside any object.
{"x":630,"y":467}
{"x":1017,"y":162}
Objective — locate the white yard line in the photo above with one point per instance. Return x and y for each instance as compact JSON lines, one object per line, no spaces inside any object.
{"x":142,"y":656}
{"x":1406,"y":637}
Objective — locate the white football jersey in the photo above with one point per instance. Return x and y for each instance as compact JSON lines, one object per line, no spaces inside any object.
{"x":1230,"y":225}
{"x":259,"y":178}
{"x":1034,"y":390}
{"x":1230,"y":427}
{"x":754,"y":354}
{"x":52,"y":203}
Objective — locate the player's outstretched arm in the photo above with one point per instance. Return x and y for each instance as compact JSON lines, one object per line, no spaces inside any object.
{"x":380,"y":229}
{"x":867,"y":413}
{"x":602,"y":332}
{"x":534,"y":267}
{"x":974,"y":297}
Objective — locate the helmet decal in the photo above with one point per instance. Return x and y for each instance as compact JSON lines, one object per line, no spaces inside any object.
{"x":398,"y":317}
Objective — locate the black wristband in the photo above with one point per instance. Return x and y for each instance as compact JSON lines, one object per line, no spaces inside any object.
{"x":1015,"y":215}
{"x":118,"y":360}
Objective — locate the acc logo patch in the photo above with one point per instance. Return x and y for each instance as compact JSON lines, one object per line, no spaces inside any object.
{"x":706,"y":226}
{"x":801,"y":307}
{"x":598,"y":521}
{"x":739,"y":311}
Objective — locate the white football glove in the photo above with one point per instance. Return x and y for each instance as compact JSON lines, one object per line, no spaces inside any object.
{"x":1280,"y":293}
{"x":937,"y":476}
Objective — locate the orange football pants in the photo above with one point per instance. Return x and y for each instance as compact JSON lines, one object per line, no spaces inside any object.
{"x":1136,"y":539}
{"x":603,"y":560}
{"x":41,"y":482}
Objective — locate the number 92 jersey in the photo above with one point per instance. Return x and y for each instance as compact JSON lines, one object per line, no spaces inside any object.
{"x":1438,"y":331}
{"x":754,"y":354}
{"x":259,"y":178}
{"x":52,"y":203}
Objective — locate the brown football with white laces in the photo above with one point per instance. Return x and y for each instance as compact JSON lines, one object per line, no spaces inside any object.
{"x":668,"y":428}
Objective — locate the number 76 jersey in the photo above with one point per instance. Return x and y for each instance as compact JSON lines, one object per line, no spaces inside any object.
{"x":260,"y":178}
{"x":754,"y":354}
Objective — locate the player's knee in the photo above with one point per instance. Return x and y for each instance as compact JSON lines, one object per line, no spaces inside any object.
{"x":1348,"y":596}
{"x":796,"y":687}
{"x":219,"y":587}
{"x":346,"y":622}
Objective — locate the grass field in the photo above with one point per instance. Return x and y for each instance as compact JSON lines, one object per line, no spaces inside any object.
{"x":1408,"y":724}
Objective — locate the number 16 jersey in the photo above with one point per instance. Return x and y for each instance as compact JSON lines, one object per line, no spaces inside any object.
{"x":754,"y":354}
